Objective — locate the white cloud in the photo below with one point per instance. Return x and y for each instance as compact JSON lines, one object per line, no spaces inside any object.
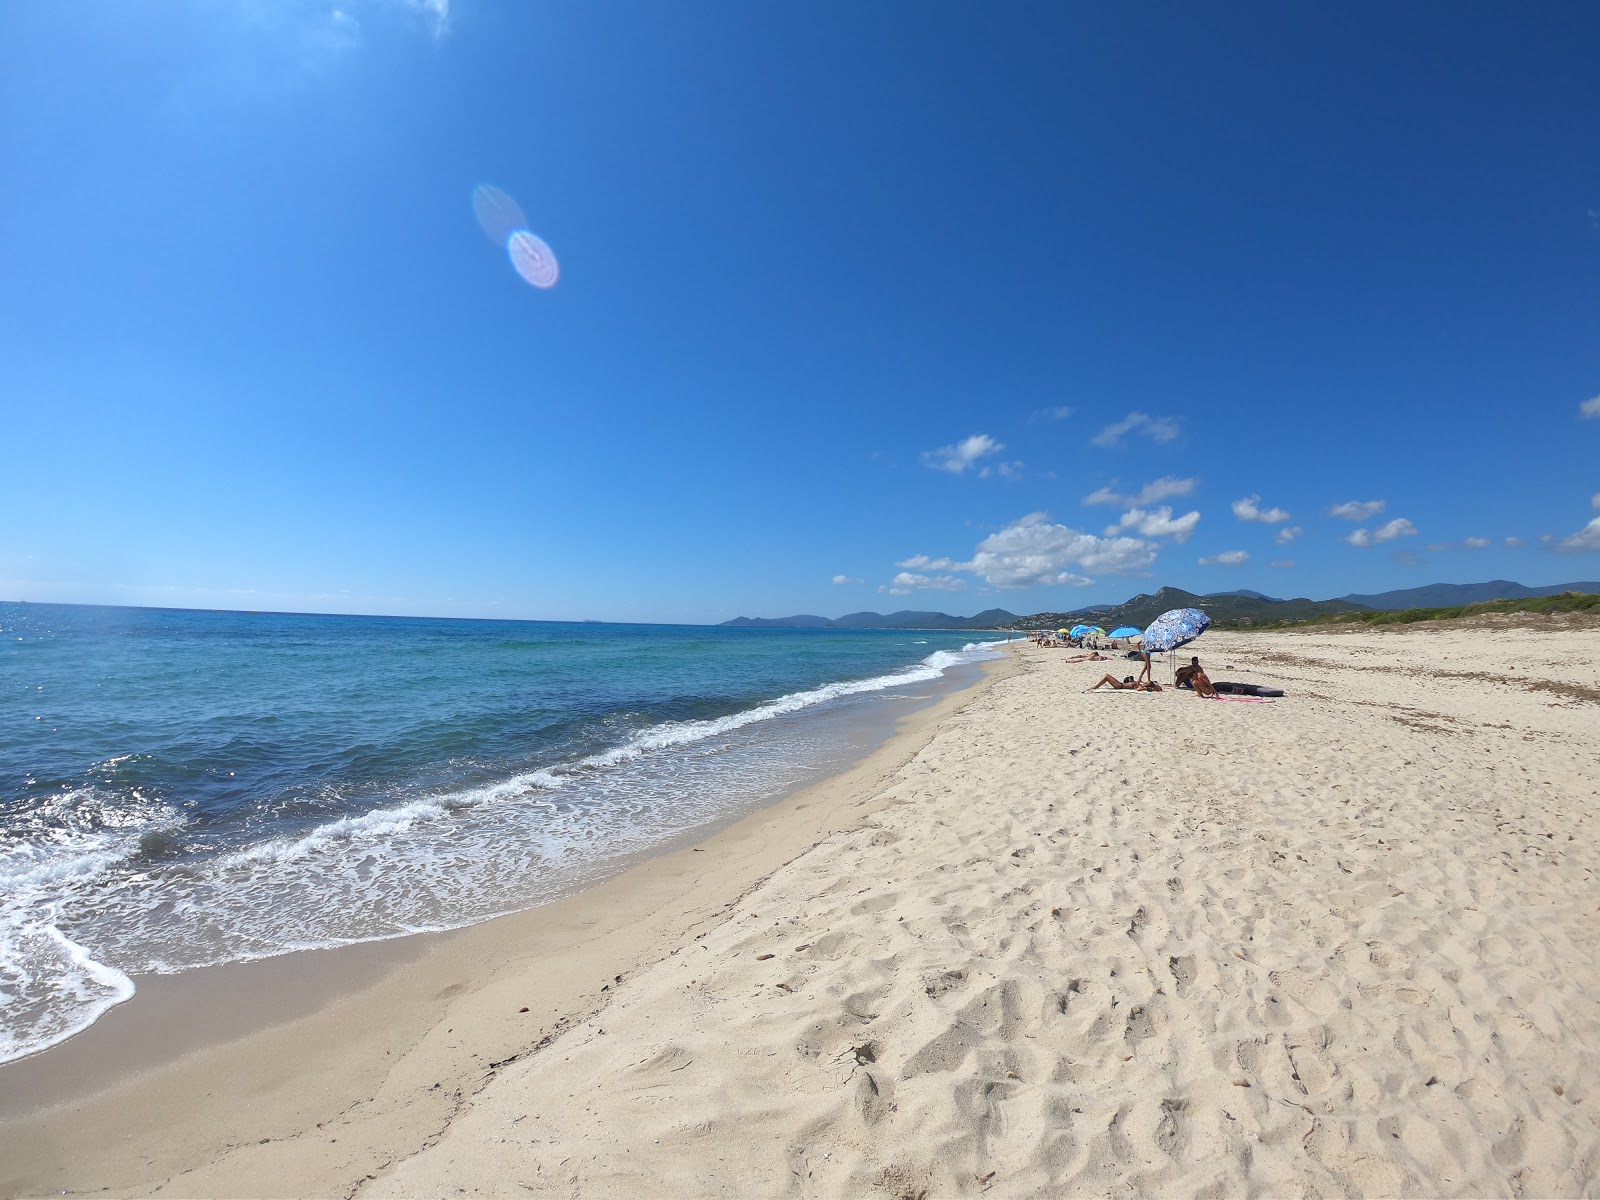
{"x":1513,"y":541}
{"x":1249,"y":509}
{"x":1287,"y":534}
{"x":1033,"y":551}
{"x":1228,"y":558}
{"x":437,"y":12}
{"x":1584,"y":541}
{"x":1157,"y":489}
{"x":1154,"y":523}
{"x":847,"y":579}
{"x":1283,"y":564}
{"x":907,"y":582}
{"x":963,"y":455}
{"x":1387,"y":532}
{"x":1157,"y":429}
{"x":1468,"y":543}
{"x":1590,"y":407}
{"x":1058,"y":413}
{"x":921,"y":562}
{"x":1474,"y":543}
{"x":1594,"y":501}
{"x":1358,"y":510}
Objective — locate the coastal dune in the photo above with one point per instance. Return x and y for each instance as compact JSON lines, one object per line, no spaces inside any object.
{"x":1093,"y":943}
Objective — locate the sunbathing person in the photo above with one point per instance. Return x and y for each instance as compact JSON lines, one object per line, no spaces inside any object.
{"x":1127,"y":684}
{"x":1088,"y":658}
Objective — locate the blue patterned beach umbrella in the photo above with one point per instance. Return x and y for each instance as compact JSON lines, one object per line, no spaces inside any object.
{"x":1123,"y":631}
{"x":1175,"y":628}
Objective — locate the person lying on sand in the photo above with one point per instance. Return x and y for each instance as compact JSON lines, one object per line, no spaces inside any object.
{"x":1088,"y":658}
{"x":1129,"y":684}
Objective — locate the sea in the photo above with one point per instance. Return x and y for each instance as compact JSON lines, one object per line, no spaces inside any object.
{"x":183,"y":788}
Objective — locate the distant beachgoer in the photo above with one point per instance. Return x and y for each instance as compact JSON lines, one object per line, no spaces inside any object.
{"x":1088,"y":658}
{"x":1126,"y":684}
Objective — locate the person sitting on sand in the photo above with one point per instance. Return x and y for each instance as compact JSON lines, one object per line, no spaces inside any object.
{"x":1185,"y":674}
{"x":1201,"y":682}
{"x":1127,"y":684}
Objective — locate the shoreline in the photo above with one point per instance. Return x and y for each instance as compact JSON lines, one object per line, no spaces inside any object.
{"x":227,"y":1069}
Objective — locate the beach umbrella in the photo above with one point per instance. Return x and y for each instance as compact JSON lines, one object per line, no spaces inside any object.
{"x":1077,"y":630}
{"x":1062,"y":632}
{"x":1125,"y":631}
{"x":1177,"y":627}
{"x":1093,"y":631}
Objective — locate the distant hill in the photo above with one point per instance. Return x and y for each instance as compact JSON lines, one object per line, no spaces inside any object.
{"x":1443,"y":595}
{"x":1226,"y":609}
{"x":1246,"y":592}
{"x":993,"y":618}
{"x":802,"y":621}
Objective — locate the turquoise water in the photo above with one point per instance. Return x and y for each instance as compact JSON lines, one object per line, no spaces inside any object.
{"x":184,"y":788}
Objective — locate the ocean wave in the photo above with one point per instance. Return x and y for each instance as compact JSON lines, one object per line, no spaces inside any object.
{"x":84,"y":903}
{"x":51,"y":987}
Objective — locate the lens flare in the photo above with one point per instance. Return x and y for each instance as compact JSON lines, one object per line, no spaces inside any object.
{"x":534,"y":260}
{"x":498,"y":214}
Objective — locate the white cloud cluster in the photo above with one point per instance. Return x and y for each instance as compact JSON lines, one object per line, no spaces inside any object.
{"x":1387,"y":532}
{"x":921,"y":562}
{"x":1513,"y":541}
{"x":1249,"y":509}
{"x":847,"y":579}
{"x":436,"y":11}
{"x":907,"y":582}
{"x":1590,"y":407}
{"x":1228,"y":558}
{"x":1358,"y":510}
{"x":963,"y":455}
{"x":966,"y":454}
{"x":1584,"y":541}
{"x":1154,"y":523}
{"x":1157,"y":429}
{"x":1164,"y":488}
{"x":1287,"y":534}
{"x":1467,"y":543}
{"x":1034,"y":550}
{"x":1059,"y":412}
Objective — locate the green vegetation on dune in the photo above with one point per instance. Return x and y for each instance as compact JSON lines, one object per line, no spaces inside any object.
{"x":1566,"y":602}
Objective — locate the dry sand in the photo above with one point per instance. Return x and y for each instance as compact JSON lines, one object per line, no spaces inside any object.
{"x":1064,"y":944}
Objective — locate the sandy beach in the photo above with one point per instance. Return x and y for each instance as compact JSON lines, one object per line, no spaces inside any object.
{"x":1042,"y":942}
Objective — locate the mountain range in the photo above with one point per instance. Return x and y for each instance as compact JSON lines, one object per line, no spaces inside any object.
{"x":1235,"y":608}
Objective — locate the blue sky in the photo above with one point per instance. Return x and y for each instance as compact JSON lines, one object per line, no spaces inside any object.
{"x":860,"y":306}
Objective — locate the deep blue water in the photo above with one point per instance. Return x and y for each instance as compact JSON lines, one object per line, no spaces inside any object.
{"x":181,"y":788}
